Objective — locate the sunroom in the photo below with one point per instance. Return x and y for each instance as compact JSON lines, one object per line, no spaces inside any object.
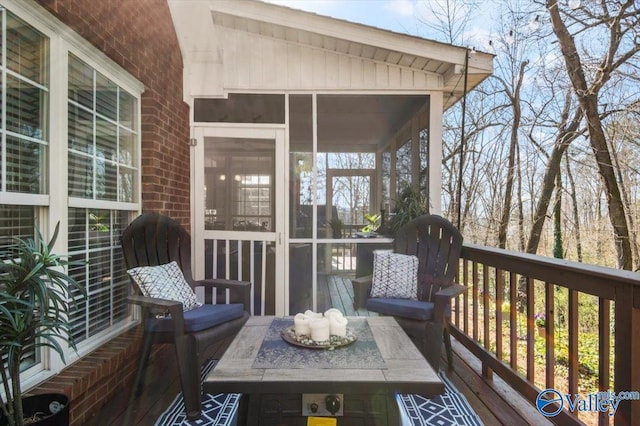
{"x":303,"y":126}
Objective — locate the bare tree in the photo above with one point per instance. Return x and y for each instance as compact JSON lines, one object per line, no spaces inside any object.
{"x":623,"y":43}
{"x":513,"y":94}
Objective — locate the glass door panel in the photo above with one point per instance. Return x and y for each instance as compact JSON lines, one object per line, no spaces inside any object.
{"x":239,"y":211}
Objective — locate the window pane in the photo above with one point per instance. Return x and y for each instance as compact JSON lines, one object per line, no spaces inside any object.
{"x":127,"y":148}
{"x":80,"y":82}
{"x":301,"y":166}
{"x":108,"y":171}
{"x":127,"y":185}
{"x":80,"y":176}
{"x":77,"y":229}
{"x":78,"y":307}
{"x":239,"y":184}
{"x":80,"y":129}
{"x":25,"y":162}
{"x":106,"y":180}
{"x":17,"y":222}
{"x":241,"y":108}
{"x":345,"y":188}
{"x":403,"y":167}
{"x":93,"y":239}
{"x":127,"y":114}
{"x":386,"y":179}
{"x":25,"y":108}
{"x":26,"y":50}
{"x":106,"y":140}
{"x":424,"y":159}
{"x":106,"y":97}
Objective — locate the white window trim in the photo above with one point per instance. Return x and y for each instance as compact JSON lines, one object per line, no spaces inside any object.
{"x":62,"y":41}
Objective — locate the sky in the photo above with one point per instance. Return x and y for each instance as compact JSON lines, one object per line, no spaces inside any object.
{"x":403,"y":16}
{"x":395,"y":15}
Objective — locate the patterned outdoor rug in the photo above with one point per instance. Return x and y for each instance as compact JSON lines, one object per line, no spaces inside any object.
{"x":449,"y":409}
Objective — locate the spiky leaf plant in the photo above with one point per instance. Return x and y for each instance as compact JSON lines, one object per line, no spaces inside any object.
{"x":34,"y":312}
{"x":411,"y":204}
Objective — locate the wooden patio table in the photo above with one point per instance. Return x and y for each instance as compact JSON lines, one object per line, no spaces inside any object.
{"x":272,"y":394}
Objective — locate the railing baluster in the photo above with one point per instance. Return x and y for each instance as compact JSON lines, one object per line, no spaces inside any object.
{"x":513,"y":321}
{"x":486,"y":372}
{"x":475,"y":302}
{"x":549,"y":336}
{"x":573,"y":341}
{"x":499,"y":289}
{"x":485,"y":307}
{"x":531,"y":368}
{"x":604,"y":348}
{"x":252,"y":273}
{"x":465,"y":296}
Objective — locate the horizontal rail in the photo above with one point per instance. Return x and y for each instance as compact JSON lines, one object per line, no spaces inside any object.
{"x":497,"y":321}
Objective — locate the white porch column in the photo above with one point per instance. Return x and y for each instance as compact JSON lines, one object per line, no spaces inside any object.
{"x":435,"y":152}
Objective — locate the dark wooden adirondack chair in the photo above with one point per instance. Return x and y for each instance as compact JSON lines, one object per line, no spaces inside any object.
{"x":437,"y":244}
{"x":152,"y":240}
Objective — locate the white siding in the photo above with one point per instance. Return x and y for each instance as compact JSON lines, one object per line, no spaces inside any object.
{"x":254,"y":62}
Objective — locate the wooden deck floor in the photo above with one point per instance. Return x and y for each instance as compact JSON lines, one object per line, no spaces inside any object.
{"x":493,"y":400}
{"x":336,"y":291}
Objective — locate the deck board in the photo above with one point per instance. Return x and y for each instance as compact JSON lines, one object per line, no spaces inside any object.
{"x":485,"y":397}
{"x":493,"y":400}
{"x":336,"y":291}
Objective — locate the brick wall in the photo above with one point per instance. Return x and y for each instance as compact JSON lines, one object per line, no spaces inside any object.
{"x":92,"y":381}
{"x":139,"y":36}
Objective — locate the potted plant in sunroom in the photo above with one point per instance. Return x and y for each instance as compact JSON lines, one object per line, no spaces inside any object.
{"x":33,"y":315}
{"x":410,"y":204}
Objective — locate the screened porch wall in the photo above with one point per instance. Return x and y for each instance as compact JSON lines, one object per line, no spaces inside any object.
{"x":336,"y":176}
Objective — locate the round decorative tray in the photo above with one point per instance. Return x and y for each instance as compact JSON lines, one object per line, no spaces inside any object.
{"x":289,"y":336}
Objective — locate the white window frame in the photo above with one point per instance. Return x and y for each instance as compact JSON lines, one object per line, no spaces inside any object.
{"x":54,"y":205}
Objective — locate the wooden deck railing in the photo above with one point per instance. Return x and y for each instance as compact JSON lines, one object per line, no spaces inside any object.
{"x":507,"y":342}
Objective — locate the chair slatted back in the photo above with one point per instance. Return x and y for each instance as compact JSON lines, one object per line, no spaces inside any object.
{"x":438,"y":244}
{"x":152,"y":239}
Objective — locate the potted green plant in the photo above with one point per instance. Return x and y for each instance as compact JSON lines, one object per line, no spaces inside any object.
{"x":410,"y":204}
{"x":373,"y":223}
{"x":336,"y":225}
{"x":33,"y":315}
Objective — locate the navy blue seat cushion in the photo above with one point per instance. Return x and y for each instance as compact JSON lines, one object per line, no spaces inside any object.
{"x":206,"y":316}
{"x":406,"y":308}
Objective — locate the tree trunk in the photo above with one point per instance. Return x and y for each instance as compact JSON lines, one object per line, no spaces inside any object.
{"x":508,"y":192}
{"x":574,"y":208}
{"x":567,"y":132}
{"x":588,"y":100}
{"x":546,"y":190}
{"x":558,"y":251}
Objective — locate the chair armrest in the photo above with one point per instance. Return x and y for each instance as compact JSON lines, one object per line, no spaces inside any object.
{"x":451,"y":291}
{"x":361,"y":291}
{"x":443,"y":298}
{"x":175,"y":309}
{"x":239,"y":291}
{"x":152,"y":302}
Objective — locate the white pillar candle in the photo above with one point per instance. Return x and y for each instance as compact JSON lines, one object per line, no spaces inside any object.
{"x":338,"y":325}
{"x":320,"y":329}
{"x":312,"y":314}
{"x":302,"y":325}
{"x":332,"y":311}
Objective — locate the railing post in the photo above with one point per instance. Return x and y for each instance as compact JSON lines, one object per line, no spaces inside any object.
{"x":627,"y":351}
